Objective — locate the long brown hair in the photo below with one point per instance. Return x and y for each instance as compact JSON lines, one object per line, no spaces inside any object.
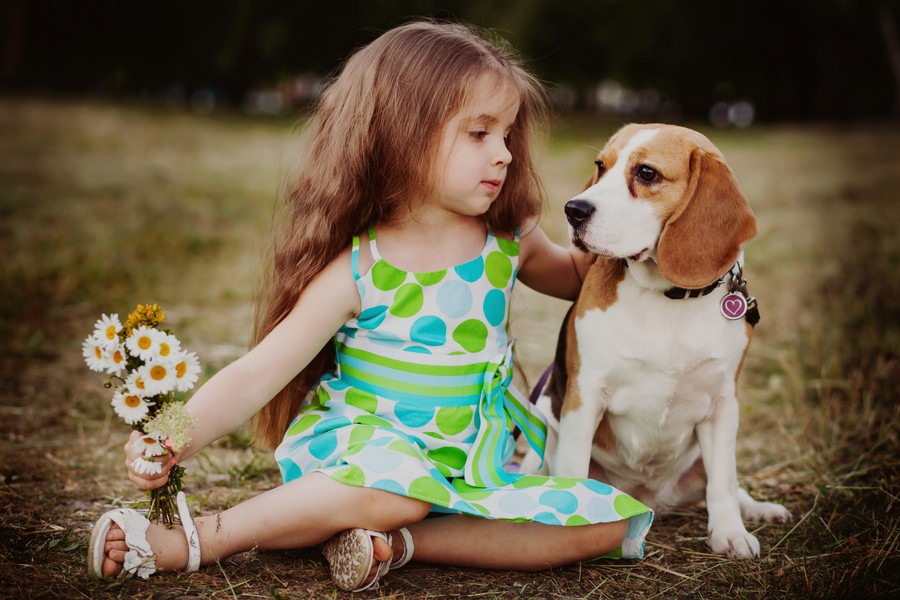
{"x":369,"y":154}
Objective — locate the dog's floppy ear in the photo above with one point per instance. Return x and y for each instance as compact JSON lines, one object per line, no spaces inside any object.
{"x":703,"y":237}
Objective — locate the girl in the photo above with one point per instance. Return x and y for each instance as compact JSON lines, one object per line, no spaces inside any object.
{"x":404,"y":234}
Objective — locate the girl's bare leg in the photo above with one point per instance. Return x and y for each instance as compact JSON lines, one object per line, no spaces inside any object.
{"x":298,"y":514}
{"x":465,"y":541}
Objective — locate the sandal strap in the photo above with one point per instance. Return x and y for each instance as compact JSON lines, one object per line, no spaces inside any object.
{"x":383,"y":567}
{"x":408,"y":548}
{"x":190,"y":533}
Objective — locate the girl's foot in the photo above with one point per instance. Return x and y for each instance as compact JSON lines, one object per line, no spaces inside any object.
{"x":169,"y":549}
{"x":351,"y":551}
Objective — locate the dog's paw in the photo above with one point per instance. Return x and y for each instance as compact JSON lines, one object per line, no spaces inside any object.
{"x":734,"y":544}
{"x":766,"y":511}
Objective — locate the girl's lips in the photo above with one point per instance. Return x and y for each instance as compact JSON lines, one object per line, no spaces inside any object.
{"x":493,"y":184}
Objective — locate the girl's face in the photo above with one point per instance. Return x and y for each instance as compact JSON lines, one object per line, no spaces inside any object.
{"x":473,"y":157}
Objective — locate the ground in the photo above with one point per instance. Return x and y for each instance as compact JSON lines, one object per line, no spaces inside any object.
{"x":104,"y":206}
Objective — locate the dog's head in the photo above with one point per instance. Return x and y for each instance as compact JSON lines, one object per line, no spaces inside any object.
{"x":663,"y":191}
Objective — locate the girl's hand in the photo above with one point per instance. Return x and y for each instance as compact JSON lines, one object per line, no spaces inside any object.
{"x":146,"y":481}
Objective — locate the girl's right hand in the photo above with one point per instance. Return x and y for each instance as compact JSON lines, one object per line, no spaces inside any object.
{"x":146,"y":481}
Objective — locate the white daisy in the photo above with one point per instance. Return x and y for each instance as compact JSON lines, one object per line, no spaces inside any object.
{"x":132,"y":408}
{"x":94,"y":351}
{"x":144,"y":342}
{"x":169,"y":346}
{"x":149,"y":445}
{"x":116,"y":358}
{"x":187,"y":370}
{"x":107,"y":328}
{"x":135,"y":385}
{"x":158,"y":377}
{"x":146,"y":467}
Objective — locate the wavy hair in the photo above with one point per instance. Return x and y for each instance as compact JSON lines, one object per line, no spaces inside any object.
{"x":375,"y":121}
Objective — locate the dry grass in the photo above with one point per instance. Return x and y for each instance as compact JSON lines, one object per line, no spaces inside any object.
{"x":105,"y":206}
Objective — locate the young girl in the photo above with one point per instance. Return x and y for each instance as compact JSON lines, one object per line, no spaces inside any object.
{"x":404,"y":235}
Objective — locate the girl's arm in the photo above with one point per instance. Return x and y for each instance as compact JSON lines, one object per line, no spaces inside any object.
{"x":549,"y":268}
{"x":241,"y":389}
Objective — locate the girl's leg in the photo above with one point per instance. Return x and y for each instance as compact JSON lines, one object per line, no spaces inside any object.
{"x":466,"y":541}
{"x":298,"y":514}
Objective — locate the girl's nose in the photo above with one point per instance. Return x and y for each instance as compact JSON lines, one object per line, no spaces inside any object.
{"x":503,"y":156}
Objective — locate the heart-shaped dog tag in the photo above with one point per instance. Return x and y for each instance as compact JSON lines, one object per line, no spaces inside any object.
{"x":733,"y":306}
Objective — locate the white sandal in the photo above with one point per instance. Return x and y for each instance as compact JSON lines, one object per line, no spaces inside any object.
{"x":139,"y":560}
{"x":351,"y":552}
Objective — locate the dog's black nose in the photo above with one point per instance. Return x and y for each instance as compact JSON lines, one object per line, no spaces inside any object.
{"x":578,"y":211}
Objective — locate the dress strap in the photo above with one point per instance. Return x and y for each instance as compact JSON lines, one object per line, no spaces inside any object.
{"x":354,"y":258}
{"x":372,"y":247}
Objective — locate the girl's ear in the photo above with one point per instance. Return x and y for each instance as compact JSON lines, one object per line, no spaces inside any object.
{"x":704,"y":236}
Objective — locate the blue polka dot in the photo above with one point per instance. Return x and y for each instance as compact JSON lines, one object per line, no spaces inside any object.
{"x":454,"y":298}
{"x":413,"y":415}
{"x":600,"y":510}
{"x":561,"y":501}
{"x":380,"y":461}
{"x":598,"y":487}
{"x":547,"y":518}
{"x":334,"y":383}
{"x":517,"y":504}
{"x":472,"y":270}
{"x":289,"y":470}
{"x":372,"y":317}
{"x":331,"y":424}
{"x":430,"y":331}
{"x":324,"y":445}
{"x":384,"y":338}
{"x":495,"y":307}
{"x":418,"y":349}
{"x":389,"y":485}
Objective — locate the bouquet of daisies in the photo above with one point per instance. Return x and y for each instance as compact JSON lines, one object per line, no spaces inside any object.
{"x":147,"y":367}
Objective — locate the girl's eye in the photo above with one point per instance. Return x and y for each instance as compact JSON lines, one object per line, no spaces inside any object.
{"x":647,"y":174}
{"x":478,"y":135}
{"x":601,"y":168}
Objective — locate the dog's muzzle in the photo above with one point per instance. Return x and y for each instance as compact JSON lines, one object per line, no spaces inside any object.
{"x":578,"y":212}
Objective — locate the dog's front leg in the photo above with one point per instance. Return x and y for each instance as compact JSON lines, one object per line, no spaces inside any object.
{"x":717,"y":436}
{"x":577,"y":426}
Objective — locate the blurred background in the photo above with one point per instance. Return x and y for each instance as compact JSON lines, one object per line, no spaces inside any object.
{"x":732,"y":63}
{"x":142,"y":148}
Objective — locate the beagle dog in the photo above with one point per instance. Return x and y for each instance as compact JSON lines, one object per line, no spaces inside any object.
{"x":643,"y":388}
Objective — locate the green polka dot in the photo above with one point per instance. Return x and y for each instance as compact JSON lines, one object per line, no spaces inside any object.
{"x":304,"y":423}
{"x":360,"y":433}
{"x":351,"y":475}
{"x":426,"y":488}
{"x":443,"y":469}
{"x":627,"y":506}
{"x":562,"y":483}
{"x":452,"y":420}
{"x":509,"y":247}
{"x":498,"y":268}
{"x":372,"y":420}
{"x":361,"y":400}
{"x":471,"y":335}
{"x":450,"y":455}
{"x":430,"y":278}
{"x":577,"y":520}
{"x":404,"y":448}
{"x":480,"y":508}
{"x":434,"y":434}
{"x":529,"y":481}
{"x":469,"y":492}
{"x":408,"y":300}
{"x":386,"y":277}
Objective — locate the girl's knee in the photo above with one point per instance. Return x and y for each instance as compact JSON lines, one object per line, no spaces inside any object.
{"x":390,"y":511}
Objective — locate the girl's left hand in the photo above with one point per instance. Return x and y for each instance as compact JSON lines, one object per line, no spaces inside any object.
{"x":146,"y":481}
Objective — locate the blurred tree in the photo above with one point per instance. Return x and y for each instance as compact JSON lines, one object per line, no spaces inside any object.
{"x":791,"y":58}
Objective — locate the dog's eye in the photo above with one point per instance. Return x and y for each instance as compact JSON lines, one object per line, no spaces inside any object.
{"x":601,"y":168}
{"x":648,"y":174}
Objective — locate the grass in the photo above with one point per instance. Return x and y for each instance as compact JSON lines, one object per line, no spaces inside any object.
{"x":104,"y":206}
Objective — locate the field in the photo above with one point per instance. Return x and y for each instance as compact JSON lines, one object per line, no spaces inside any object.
{"x":106,"y":206}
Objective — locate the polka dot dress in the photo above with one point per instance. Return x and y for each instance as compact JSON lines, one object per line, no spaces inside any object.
{"x":421,"y":403}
